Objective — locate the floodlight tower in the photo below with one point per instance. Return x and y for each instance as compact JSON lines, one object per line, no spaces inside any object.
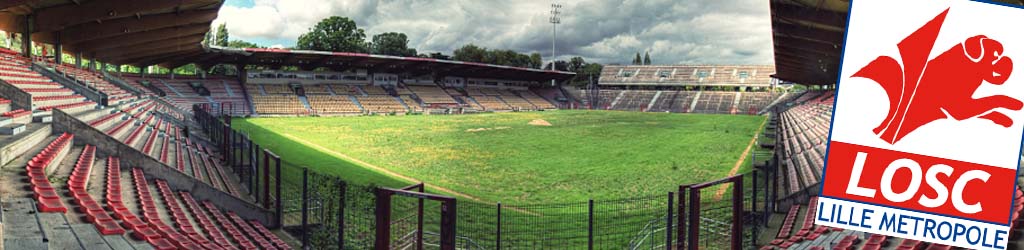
{"x":555,"y":20}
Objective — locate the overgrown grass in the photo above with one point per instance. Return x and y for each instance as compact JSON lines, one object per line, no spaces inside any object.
{"x":500,"y":157}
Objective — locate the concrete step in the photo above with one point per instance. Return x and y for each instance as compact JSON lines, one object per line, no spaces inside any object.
{"x":22,"y":229}
{"x":17,"y":145}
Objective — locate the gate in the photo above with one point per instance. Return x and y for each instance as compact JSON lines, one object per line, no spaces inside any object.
{"x":400,"y":224}
{"x":713,"y":217}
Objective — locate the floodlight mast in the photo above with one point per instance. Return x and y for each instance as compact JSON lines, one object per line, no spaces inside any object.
{"x":555,"y":20}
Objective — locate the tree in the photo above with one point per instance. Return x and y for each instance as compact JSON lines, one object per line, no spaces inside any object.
{"x":647,"y":58}
{"x":242,"y":44}
{"x":535,"y":61}
{"x":222,"y":35}
{"x":470,"y":53}
{"x":636,"y":60}
{"x":392,"y":44}
{"x":576,"y":64}
{"x":438,"y":55}
{"x":207,"y":39}
{"x":559,"y":65}
{"x":334,"y":34}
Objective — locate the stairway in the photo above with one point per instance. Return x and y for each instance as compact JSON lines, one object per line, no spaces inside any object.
{"x":653,"y":101}
{"x":617,"y":98}
{"x":305,"y":102}
{"x":170,"y":87}
{"x":693,"y":104}
{"x":227,"y":88}
{"x":356,"y":101}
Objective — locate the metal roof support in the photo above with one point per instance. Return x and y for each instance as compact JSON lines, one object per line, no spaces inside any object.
{"x":58,"y":51}
{"x":26,"y":37}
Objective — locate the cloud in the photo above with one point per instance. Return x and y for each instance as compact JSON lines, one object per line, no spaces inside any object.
{"x":606,"y":31}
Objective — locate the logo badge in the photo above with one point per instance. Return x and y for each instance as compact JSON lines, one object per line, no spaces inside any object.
{"x":927,"y":127}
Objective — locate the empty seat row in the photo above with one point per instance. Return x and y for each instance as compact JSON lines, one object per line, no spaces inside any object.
{"x":78,"y":182}
{"x":46,"y":197}
{"x":152,"y":215}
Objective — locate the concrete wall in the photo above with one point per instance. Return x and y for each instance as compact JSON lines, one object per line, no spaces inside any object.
{"x":19,"y":98}
{"x":131,"y":157}
{"x":89,"y":93}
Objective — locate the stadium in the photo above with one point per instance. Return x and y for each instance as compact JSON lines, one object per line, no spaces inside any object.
{"x":125,"y":126}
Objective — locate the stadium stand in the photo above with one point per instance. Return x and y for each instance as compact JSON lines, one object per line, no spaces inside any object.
{"x":340,"y":89}
{"x":680,"y":75}
{"x":374,"y":90}
{"x":93,"y":80}
{"x":277,"y":89}
{"x":431,"y":95}
{"x":634,"y":100}
{"x":377,"y":103}
{"x":674,"y":101}
{"x":323,"y":104}
{"x":46,"y":94}
{"x":513,"y":100}
{"x":413,"y":105}
{"x":715,"y":102}
{"x":492,"y":103}
{"x":536,"y":100}
{"x":316,"y":89}
{"x":279,"y":104}
{"x":753,"y":102}
{"x":802,"y":136}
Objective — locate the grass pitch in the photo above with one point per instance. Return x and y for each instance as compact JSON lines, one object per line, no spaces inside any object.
{"x":500,"y":157}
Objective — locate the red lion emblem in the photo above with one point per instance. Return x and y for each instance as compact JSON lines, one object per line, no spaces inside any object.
{"x":921,"y":91}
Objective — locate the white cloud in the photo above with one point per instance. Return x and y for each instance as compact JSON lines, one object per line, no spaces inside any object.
{"x":607,"y":31}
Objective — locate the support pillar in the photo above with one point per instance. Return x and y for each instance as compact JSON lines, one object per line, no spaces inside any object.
{"x":78,"y":60}
{"x":58,"y":51}
{"x":26,"y":37}
{"x":242,"y":73}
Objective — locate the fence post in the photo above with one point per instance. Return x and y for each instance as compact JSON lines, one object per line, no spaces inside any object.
{"x":737,"y":213}
{"x":753,"y":194}
{"x":250,"y":174}
{"x":224,"y":139}
{"x":266,"y":179}
{"x":668,"y":223}
{"x":229,"y":149}
{"x":342,"y":185}
{"x":277,"y":191}
{"x":498,"y":235}
{"x":590,"y":224}
{"x":694,"y":238}
{"x":305,"y":208}
{"x":681,"y":225}
{"x":419,"y":222}
{"x":382,"y":212}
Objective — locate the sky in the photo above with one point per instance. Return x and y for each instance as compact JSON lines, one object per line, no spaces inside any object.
{"x":604,"y":31}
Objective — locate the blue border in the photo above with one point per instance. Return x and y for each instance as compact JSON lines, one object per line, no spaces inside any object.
{"x":916,"y":211}
{"x":832,"y":121}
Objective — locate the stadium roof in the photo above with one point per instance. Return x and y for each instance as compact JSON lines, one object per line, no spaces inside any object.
{"x":341,"y":61}
{"x":114,"y":30}
{"x":809,"y":36}
{"x":169,"y":32}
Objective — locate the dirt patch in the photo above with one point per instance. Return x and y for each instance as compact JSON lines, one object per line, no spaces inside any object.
{"x":486,"y":129}
{"x":540,"y":122}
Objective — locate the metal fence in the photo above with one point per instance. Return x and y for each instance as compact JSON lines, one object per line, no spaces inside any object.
{"x":325,"y":212}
